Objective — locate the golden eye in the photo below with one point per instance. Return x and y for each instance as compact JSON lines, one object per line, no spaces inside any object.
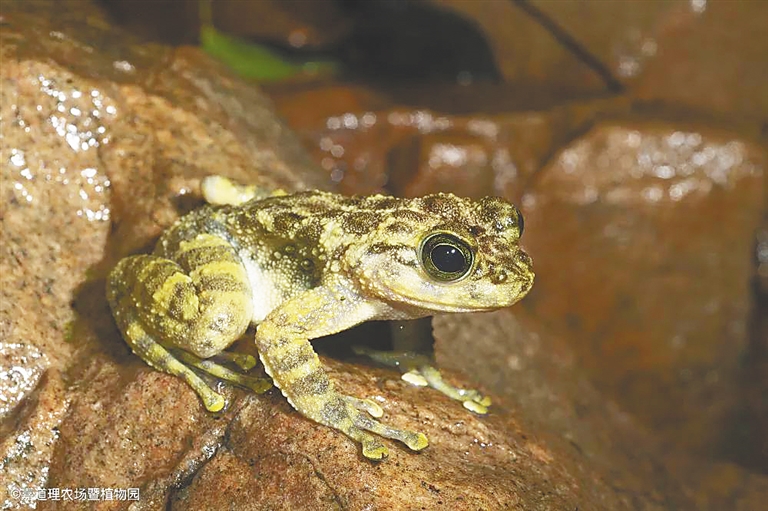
{"x":446,"y":257}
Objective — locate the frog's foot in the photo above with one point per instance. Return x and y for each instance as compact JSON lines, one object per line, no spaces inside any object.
{"x":417,"y":370}
{"x":342,"y":412}
{"x":258,"y":385}
{"x":161,"y":359}
{"x":221,"y":190}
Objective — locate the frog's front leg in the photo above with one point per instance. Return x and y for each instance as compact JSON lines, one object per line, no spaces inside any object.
{"x":198,"y":301}
{"x":418,"y":369}
{"x":288,"y":357}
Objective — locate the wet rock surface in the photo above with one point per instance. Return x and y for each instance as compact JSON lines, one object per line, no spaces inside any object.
{"x":667,"y":213}
{"x":95,"y":127}
{"x":616,"y":384}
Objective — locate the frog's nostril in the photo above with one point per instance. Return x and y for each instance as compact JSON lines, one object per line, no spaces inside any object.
{"x":523,"y":262}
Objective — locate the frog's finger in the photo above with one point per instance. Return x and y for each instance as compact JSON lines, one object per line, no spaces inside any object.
{"x":470,"y":398}
{"x":373,"y":449}
{"x":366,"y":405}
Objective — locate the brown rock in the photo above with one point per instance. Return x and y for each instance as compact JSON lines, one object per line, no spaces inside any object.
{"x":609,"y":460}
{"x":642,"y":237}
{"x":492,"y":462}
{"x":699,"y":55}
{"x":368,"y":145}
{"x":29,"y":440}
{"x":164,"y":118}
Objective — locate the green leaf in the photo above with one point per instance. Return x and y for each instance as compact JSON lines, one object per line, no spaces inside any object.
{"x":252,"y":60}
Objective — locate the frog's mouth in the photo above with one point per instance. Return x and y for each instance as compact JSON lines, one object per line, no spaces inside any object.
{"x":464,"y":296}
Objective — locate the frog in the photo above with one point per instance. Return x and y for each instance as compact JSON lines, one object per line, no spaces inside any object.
{"x":306,"y":265}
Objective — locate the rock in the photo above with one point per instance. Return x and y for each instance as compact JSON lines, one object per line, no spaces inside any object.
{"x":92,"y":133}
{"x":697,"y":56}
{"x":642,"y":237}
{"x":525,"y":49}
{"x":605,"y":456}
{"x":489,"y":141}
{"x":104,"y":142}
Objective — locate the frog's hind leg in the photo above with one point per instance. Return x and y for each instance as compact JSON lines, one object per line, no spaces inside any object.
{"x":221,"y":190}
{"x":158,"y":357}
{"x":199,"y":302}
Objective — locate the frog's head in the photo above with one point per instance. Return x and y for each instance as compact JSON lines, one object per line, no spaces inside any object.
{"x":442,"y":253}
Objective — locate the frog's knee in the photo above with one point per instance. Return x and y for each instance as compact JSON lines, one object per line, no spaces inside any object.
{"x":216,"y":332}
{"x":205,"y":348}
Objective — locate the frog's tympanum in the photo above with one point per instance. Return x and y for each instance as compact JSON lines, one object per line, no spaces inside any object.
{"x":307,"y":265}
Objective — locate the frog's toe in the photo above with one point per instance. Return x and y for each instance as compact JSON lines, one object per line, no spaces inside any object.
{"x":474,"y":406}
{"x":366,"y":405}
{"x":212,"y":401}
{"x":244,"y":361}
{"x":373,"y":449}
{"x":258,"y":385}
{"x":417,"y":442}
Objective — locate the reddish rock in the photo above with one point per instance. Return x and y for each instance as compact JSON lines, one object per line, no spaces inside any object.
{"x":642,"y":237}
{"x":367,"y":144}
{"x":551,"y":441}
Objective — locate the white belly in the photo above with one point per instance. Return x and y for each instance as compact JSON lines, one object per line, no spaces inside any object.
{"x":266,"y":295}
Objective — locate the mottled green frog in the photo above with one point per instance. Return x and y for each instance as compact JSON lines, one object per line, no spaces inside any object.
{"x":304,"y":266}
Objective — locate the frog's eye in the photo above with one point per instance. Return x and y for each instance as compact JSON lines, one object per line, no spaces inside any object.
{"x":446,"y":257}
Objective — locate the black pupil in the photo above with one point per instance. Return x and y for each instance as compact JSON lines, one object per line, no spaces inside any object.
{"x":448,"y":259}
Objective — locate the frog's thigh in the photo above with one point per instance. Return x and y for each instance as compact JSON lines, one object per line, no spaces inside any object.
{"x":200,"y":301}
{"x":200,"y":304}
